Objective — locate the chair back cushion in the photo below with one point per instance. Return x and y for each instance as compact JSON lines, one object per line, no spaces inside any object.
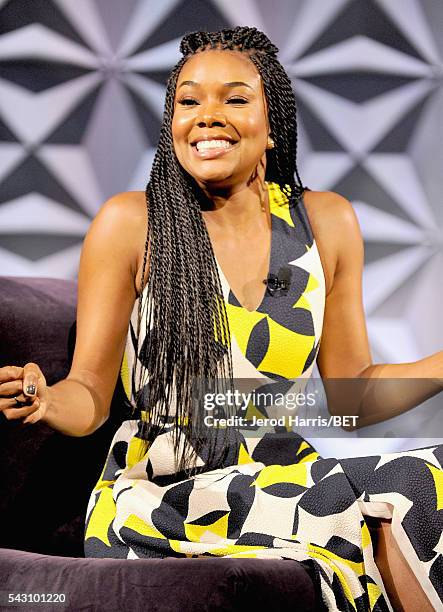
{"x":45,"y":477}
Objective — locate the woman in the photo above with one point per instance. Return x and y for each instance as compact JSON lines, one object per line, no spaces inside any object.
{"x":188,"y":282}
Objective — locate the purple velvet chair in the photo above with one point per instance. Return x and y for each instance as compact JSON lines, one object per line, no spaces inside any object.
{"x":46,"y":479}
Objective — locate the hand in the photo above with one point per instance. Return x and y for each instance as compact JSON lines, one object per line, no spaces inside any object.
{"x":26,"y":385}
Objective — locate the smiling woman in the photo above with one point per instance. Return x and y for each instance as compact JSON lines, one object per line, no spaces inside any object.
{"x":239,"y":272}
{"x":221,"y":131}
{"x":217,"y":118}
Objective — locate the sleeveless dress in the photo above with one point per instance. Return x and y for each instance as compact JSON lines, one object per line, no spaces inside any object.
{"x":275,"y":497}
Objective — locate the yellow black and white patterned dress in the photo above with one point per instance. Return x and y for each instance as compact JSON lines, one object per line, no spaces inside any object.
{"x":275,"y":497}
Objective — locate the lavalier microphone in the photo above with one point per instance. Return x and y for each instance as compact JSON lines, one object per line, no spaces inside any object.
{"x":279,"y":283}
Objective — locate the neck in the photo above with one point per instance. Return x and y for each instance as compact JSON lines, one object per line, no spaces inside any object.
{"x":237,"y":208}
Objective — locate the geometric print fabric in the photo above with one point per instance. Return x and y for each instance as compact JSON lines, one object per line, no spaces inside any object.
{"x":368,"y":82}
{"x":81,"y":101}
{"x":290,"y":504}
{"x":273,"y":495}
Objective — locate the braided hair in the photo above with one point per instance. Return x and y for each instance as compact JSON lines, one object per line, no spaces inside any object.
{"x":187,"y":331}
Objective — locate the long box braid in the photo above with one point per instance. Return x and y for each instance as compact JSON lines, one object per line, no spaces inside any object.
{"x":187,"y":331}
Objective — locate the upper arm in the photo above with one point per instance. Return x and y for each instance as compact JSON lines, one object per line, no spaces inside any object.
{"x":344,"y":349}
{"x":106,"y":294}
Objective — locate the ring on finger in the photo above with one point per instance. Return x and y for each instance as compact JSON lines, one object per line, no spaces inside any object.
{"x":19,"y":404}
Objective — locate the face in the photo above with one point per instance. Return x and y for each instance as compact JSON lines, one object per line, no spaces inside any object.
{"x":220,"y":125}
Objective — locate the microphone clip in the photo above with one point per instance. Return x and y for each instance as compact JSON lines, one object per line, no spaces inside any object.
{"x":276,"y":284}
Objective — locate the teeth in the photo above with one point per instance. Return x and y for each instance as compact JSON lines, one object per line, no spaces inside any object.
{"x":203,"y":145}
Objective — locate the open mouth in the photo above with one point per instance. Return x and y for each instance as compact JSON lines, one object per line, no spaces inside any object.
{"x":210,"y":145}
{"x":213,"y":148}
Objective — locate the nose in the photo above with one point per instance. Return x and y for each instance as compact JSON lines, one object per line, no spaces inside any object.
{"x":210,"y":116}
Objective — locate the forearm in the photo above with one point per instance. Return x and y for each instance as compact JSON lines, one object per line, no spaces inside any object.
{"x":73,"y":408}
{"x":392,"y":389}
{"x":398,"y":387}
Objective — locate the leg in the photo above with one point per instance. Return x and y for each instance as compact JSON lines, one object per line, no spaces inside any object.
{"x":402,"y":586}
{"x":414,"y":475}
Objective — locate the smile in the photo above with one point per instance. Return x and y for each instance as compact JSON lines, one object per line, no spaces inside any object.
{"x":204,"y":145}
{"x":211,"y":149}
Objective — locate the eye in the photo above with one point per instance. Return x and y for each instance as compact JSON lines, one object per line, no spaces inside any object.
{"x":187,"y":101}
{"x":237,"y":100}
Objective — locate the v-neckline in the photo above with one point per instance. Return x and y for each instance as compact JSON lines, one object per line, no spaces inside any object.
{"x":227,"y":287}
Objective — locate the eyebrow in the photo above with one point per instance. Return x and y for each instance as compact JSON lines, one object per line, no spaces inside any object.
{"x":230,"y":84}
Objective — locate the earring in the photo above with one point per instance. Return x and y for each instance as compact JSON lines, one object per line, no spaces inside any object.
{"x":271,"y":143}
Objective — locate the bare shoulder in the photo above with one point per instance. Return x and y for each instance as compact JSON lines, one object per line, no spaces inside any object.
{"x":335,"y":227}
{"x":124,"y":216}
{"x":127,"y":206}
{"x":326,"y":207}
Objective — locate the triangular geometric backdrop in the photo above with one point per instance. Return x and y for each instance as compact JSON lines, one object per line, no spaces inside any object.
{"x":81,"y":99}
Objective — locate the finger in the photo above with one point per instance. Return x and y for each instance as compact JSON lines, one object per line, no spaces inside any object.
{"x":9,"y":402}
{"x":11,"y":388}
{"x":33,"y":418}
{"x":31,"y":375}
{"x":13,"y":414}
{"x":10,"y":373}
{"x":18,"y":401}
